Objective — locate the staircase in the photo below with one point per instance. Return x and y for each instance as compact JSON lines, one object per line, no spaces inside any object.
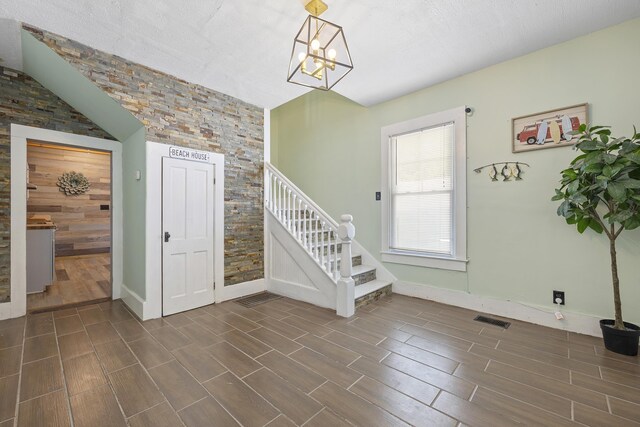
{"x":345,"y":283}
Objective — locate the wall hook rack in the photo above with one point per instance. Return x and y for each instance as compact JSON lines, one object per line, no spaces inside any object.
{"x":508,"y":171}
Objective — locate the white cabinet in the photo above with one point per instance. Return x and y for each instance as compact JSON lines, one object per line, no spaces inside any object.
{"x":40,"y":259}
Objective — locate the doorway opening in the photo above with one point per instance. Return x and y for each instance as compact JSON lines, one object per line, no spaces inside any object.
{"x":69,"y":226}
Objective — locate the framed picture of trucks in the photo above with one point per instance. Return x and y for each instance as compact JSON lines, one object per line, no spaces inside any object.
{"x":548,"y":129}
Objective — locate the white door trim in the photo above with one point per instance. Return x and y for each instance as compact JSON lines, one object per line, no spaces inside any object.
{"x":19,"y":135}
{"x":153,"y":261}
{"x":265,"y":219}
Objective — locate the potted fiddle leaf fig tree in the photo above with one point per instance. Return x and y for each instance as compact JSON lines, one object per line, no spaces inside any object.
{"x":600,"y":190}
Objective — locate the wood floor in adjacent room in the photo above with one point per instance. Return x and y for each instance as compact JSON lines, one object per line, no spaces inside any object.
{"x":398,"y":361}
{"x":79,"y":279}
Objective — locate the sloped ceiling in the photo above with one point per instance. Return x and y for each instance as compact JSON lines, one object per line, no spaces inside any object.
{"x":242,"y":47}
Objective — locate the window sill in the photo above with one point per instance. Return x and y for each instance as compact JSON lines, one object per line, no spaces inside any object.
{"x":421,"y":260}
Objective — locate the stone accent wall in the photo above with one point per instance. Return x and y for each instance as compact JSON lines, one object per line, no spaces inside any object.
{"x":180,"y":113}
{"x":24,"y":101}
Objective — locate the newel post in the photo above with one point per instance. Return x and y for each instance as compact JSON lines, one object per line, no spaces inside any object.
{"x":345,"y":306}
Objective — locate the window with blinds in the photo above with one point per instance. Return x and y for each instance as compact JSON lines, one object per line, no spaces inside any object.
{"x":422,"y":190}
{"x":424,"y":196}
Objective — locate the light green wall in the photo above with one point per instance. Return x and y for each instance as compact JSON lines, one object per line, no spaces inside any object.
{"x":134,"y":216}
{"x":61,"y":78}
{"x":518,"y":248}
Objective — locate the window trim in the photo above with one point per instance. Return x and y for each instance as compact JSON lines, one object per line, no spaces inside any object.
{"x":457,"y":262}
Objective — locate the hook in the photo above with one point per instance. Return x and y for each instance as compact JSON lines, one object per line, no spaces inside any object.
{"x":508,"y":171}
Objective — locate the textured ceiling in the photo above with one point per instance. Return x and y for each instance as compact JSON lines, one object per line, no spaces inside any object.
{"x":242,"y":47}
{"x":10,"y":52}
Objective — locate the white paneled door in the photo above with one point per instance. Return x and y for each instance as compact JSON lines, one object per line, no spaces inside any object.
{"x":187,"y":220}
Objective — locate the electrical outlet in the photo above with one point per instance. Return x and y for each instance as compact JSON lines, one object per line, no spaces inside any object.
{"x":378,"y":195}
{"x":558,"y":294}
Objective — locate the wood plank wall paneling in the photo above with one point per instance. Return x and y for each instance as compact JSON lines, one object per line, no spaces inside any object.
{"x":82,"y":227}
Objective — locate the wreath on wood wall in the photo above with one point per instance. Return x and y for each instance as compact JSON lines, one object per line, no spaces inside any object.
{"x":73,"y":183}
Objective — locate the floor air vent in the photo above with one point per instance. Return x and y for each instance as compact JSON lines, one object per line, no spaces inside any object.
{"x":494,"y":322}
{"x":253,"y":300}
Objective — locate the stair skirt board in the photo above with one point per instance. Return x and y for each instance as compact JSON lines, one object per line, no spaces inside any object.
{"x":293,"y":273}
{"x":300,"y":293}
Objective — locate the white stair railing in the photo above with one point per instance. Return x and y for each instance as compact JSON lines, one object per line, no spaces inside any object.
{"x":315,"y":231}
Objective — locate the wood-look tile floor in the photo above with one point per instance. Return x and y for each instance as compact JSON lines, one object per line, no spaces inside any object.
{"x":400,"y":361}
{"x":79,"y":279}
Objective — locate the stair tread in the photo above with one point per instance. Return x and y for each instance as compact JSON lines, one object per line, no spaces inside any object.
{"x":359,"y":269}
{"x":372,"y":286}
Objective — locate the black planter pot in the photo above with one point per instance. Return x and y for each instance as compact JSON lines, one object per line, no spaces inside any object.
{"x":621,"y":342}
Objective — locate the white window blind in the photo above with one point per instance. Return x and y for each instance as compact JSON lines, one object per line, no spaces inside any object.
{"x":422,"y":190}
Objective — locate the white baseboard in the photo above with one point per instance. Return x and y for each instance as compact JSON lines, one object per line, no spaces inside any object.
{"x":5,"y":310}
{"x":242,"y":289}
{"x":140,"y":307}
{"x":13,"y":308}
{"x":574,"y":322}
{"x":133,"y":301}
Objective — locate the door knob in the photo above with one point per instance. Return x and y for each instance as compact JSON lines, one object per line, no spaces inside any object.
{"x":167,"y":236}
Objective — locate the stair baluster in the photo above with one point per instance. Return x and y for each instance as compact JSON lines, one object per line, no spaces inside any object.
{"x":291,"y":212}
{"x":284,"y":207}
{"x":311,"y":233}
{"x":280,"y":200}
{"x":296,"y":215}
{"x":322,"y":244}
{"x":335,"y":257}
{"x":269,"y":189}
{"x":311,"y":236}
{"x":304,"y":226}
{"x":299,"y":224}
{"x":316,"y":240}
{"x":284,"y":204}
{"x":329,"y":250}
{"x":274,"y":196}
{"x":288,"y":209}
